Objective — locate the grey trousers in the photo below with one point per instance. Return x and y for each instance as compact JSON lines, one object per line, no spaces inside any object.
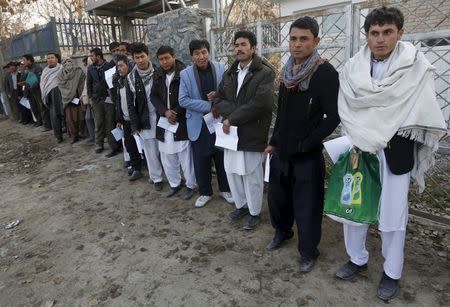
{"x":104,"y":118}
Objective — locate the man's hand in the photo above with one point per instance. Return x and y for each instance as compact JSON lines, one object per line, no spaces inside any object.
{"x":135,"y":132}
{"x":214,"y":112}
{"x":211,"y":96}
{"x":226,"y":126}
{"x":119,"y":125}
{"x":268,"y":150}
{"x":171,"y":116}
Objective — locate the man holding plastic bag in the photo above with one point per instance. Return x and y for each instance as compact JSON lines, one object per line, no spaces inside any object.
{"x":387,"y":106}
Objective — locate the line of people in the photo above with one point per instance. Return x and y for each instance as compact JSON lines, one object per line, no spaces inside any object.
{"x":384,"y":98}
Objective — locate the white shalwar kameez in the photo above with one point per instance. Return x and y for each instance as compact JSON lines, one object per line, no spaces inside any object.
{"x":150,"y":143}
{"x":393,"y":215}
{"x":176,"y":153}
{"x":244,"y":170}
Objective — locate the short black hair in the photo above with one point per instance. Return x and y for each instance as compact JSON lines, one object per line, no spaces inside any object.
{"x":122,"y":58}
{"x":198,"y":44}
{"x":246,"y":34}
{"x":29,"y":57}
{"x":384,"y":15}
{"x":306,"y":23}
{"x":126,"y":44}
{"x":164,"y":50}
{"x":97,"y":51}
{"x":57,"y":56}
{"x":113,"y":45}
{"x":138,"y":48}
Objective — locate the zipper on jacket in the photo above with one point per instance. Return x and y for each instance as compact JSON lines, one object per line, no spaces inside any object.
{"x":309,"y":108}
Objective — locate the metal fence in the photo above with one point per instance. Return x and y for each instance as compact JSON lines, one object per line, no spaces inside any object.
{"x":70,"y":37}
{"x":76,"y":36}
{"x":427,"y":25}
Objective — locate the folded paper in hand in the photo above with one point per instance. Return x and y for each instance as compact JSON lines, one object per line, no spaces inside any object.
{"x":117,"y":133}
{"x":227,"y":141}
{"x":164,"y":123}
{"x":210,"y":122}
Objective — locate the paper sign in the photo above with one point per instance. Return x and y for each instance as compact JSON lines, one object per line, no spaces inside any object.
{"x":139,"y":141}
{"x":267,"y":168}
{"x":117,"y":133}
{"x":164,"y":123}
{"x":76,"y":101}
{"x":109,"y":76}
{"x":210,"y":121}
{"x":228,"y":141}
{"x":336,"y":147}
{"x":25,"y":102}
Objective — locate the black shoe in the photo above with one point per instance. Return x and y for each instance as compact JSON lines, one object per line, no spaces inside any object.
{"x":238,"y":213}
{"x":278,"y":239}
{"x":130,"y":171}
{"x":45,"y":129}
{"x":387,"y":288}
{"x":251,"y":222}
{"x":126,"y":164}
{"x":59,"y":140}
{"x":74,"y":140}
{"x":98,"y":149}
{"x":135,"y":175}
{"x":306,"y":264}
{"x":158,"y":186}
{"x":349,"y":270}
{"x":112,"y":154}
{"x":187,"y":193}
{"x":173,"y":191}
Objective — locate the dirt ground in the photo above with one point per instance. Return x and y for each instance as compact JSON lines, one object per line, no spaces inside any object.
{"x":90,"y":237}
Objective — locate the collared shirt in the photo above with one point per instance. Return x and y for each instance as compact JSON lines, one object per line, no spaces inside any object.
{"x":242,"y":72}
{"x":377,"y":68}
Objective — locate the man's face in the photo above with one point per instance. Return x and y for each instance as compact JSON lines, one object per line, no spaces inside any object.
{"x":122,"y":50}
{"x":302,"y":44}
{"x":167,"y":61}
{"x":51,"y":60}
{"x":200,"y":57}
{"x":96,"y":59}
{"x":122,"y":67}
{"x":243,"y":49}
{"x":26,"y":62}
{"x":12,"y":68}
{"x":142,"y":60}
{"x":114,"y":51}
{"x":383,"y":39}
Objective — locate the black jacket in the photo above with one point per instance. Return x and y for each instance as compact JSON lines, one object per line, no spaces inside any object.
{"x":138,"y":105}
{"x":97,"y":88}
{"x":158,"y":98}
{"x":251,"y":109}
{"x":9,"y":86}
{"x":306,"y":118}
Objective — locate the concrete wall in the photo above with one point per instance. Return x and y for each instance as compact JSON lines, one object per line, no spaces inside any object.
{"x":176,"y":29}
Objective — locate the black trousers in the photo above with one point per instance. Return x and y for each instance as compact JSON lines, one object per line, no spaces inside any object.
{"x":203,"y":151}
{"x":130,"y":144}
{"x":296,"y":192}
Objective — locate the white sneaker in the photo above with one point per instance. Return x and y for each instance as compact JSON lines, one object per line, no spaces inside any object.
{"x":202,"y":200}
{"x":227,"y":196}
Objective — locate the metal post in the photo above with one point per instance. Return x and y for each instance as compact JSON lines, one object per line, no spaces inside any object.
{"x":259,"y":38}
{"x":212,"y":41}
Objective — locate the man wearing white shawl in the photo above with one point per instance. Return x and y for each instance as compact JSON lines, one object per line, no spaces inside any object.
{"x":51,"y":95}
{"x":387,"y":105}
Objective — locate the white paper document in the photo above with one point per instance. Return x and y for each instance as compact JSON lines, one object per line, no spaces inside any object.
{"x":139,"y":141}
{"x":76,"y":101}
{"x":117,"y":133}
{"x":227,"y":141}
{"x":336,"y":147}
{"x":25,"y":102}
{"x":210,"y":122}
{"x":267,"y":168}
{"x":109,"y":76}
{"x":164,"y":123}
